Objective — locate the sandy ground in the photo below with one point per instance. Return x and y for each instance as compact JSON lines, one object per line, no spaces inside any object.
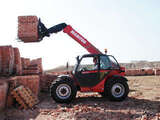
{"x":143,"y":103}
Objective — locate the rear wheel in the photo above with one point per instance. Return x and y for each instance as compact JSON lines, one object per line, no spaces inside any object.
{"x":116,"y":89}
{"x":63,"y":90}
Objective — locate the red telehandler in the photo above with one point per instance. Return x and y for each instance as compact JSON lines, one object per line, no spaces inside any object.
{"x":104,"y":75}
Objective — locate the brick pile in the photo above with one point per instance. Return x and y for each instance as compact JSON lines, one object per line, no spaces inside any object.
{"x":16,"y":71}
{"x":142,"y":72}
{"x":6,"y":60}
{"x":30,"y":81}
{"x":32,"y":67}
{"x":157,"y":72}
{"x":150,"y":72}
{"x":12,"y":85}
{"x":17,"y":67}
{"x":38,"y":63}
{"x":11,"y":63}
{"x":3,"y":94}
{"x":46,"y":80}
{"x":28,"y":28}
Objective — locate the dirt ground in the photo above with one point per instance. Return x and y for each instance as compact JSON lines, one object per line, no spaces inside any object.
{"x":143,"y":103}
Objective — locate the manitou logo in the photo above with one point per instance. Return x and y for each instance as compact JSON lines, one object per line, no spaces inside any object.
{"x":79,"y":37}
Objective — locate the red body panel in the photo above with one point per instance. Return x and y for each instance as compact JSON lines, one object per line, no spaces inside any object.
{"x":81,"y":40}
{"x":100,"y":87}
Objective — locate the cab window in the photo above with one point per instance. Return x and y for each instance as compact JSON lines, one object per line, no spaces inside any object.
{"x":114,"y":63}
{"x":105,"y":62}
{"x":88,"y":63}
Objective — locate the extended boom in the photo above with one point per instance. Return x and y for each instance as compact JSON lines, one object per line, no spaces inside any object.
{"x":43,"y":31}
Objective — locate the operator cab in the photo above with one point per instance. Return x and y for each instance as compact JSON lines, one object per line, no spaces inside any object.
{"x":89,"y":62}
{"x":92,"y":68}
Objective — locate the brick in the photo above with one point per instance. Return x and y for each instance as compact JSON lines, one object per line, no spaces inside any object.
{"x":38,"y":62}
{"x":28,"y":28}
{"x":30,"y":81}
{"x":157,"y":71}
{"x":7,"y":60}
{"x":3,"y":94}
{"x":46,"y":81}
{"x":142,"y":72}
{"x":32,"y":67}
{"x":12,"y":83}
{"x":10,"y":101}
{"x":149,"y":72}
{"x":0,"y":60}
{"x":27,"y":19}
{"x":25,"y":62}
{"x":17,"y":68}
{"x":30,"y":72}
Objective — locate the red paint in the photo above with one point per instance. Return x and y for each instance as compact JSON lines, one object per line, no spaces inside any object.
{"x":81,"y":40}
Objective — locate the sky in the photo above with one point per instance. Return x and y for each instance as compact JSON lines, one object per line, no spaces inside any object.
{"x":129,"y":29}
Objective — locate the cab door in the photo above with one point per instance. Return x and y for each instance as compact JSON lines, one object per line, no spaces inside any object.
{"x":88,"y":72}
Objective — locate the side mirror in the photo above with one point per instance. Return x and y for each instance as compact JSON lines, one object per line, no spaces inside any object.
{"x":77,"y":59}
{"x":67,"y":66}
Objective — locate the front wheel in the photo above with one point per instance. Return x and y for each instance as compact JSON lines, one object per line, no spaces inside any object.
{"x":63,"y":90}
{"x":116,"y":89}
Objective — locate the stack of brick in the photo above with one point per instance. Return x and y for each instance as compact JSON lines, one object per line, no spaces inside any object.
{"x":12,"y":85}
{"x":30,"y":81}
{"x":25,"y":63}
{"x":17,"y":67}
{"x":33,"y":67}
{"x":37,"y":62}
{"x":150,"y":72}
{"x":46,"y":80}
{"x":3,"y":94}
{"x":142,"y":72}
{"x":157,"y":72}
{"x":17,"y":71}
{"x":10,"y":62}
{"x":28,"y":28}
{"x":131,"y":72}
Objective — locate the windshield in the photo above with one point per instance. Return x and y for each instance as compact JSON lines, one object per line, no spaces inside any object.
{"x":108,"y":62}
{"x":104,"y":62}
{"x":114,"y":63}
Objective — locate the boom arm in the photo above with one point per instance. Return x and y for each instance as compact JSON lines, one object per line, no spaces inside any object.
{"x":81,"y":40}
{"x":43,"y":31}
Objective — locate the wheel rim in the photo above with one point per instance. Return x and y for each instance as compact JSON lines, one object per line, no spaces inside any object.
{"x":118,"y":90}
{"x":63,"y":91}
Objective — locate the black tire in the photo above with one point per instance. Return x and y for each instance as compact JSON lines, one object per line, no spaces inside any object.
{"x":63,"y":90}
{"x":116,"y":88}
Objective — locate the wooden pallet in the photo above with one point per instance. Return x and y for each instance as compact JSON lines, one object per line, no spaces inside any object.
{"x":24,"y":97}
{"x":19,"y":99}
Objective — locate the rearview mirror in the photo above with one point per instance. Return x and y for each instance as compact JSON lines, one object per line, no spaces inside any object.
{"x":77,"y":59}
